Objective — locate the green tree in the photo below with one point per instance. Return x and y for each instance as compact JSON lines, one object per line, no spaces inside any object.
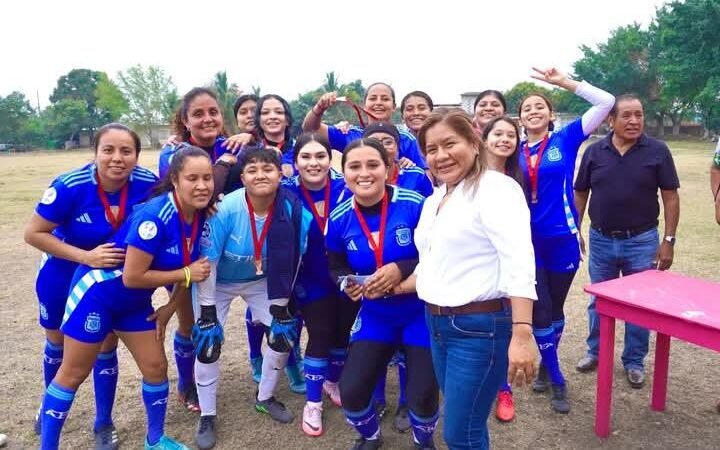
{"x":515,"y":94}
{"x":110,"y":101}
{"x":15,"y":110}
{"x":227,"y":93}
{"x":148,"y":91}
{"x":64,"y":119}
{"x":305,"y":101}
{"x":81,"y":84}
{"x":256,"y":90}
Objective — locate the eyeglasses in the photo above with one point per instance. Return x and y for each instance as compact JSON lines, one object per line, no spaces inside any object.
{"x":387,"y":142}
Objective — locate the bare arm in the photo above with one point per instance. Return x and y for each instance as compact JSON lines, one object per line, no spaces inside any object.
{"x":137,"y":273}
{"x":671,"y":206}
{"x":313,"y":119}
{"x":581,"y":198}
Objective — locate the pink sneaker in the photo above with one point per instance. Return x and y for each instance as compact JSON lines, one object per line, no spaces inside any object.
{"x":333,"y":391}
{"x":312,"y":419}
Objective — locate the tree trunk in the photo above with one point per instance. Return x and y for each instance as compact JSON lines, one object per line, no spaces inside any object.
{"x":660,"y":130}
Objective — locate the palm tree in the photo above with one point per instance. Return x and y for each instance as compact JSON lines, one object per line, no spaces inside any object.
{"x":331,"y":82}
{"x":226,"y":97}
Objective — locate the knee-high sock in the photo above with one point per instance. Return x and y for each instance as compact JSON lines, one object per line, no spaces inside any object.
{"x":105,"y":379}
{"x":379,"y":392}
{"x":273,"y":364}
{"x":184,"y":360}
{"x":255,"y":333}
{"x":402,"y":381}
{"x":365,"y":422}
{"x":55,"y":409}
{"x":315,"y":370}
{"x":423,"y":428}
{"x":559,"y":327}
{"x":155,"y":398}
{"x":52,"y":358}
{"x":337,"y":362}
{"x":207,"y":377}
{"x":545,"y":339}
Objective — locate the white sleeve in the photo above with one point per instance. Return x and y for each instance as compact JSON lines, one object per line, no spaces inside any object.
{"x":206,"y":289}
{"x":506,"y":218}
{"x":602,"y":104}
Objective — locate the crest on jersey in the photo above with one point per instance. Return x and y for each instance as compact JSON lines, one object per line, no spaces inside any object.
{"x":205,"y":236}
{"x":147,"y":230}
{"x":49,"y":196}
{"x":403,"y":236}
{"x":92,"y":323}
{"x":554,"y":154}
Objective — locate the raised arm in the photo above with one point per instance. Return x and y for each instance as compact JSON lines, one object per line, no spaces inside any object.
{"x":313,"y":119}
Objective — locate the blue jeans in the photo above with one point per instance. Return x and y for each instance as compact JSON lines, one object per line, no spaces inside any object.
{"x":470,"y":358}
{"x":608,"y":259}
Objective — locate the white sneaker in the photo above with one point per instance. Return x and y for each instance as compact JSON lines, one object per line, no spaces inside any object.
{"x":312,"y":419}
{"x":333,"y":391}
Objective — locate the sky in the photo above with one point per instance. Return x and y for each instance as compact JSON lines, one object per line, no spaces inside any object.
{"x":442,"y":47}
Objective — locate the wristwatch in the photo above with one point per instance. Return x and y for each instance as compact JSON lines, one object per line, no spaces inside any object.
{"x":670,"y":240}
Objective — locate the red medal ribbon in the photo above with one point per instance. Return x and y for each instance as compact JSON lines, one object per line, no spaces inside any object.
{"x":533,"y":169}
{"x":321,"y":220}
{"x":279,"y":145}
{"x":186,"y":245}
{"x":258,"y":243}
{"x":377,"y":247}
{"x":115,"y":221}
{"x":359,"y":110}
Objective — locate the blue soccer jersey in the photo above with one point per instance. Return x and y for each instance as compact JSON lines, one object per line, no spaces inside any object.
{"x":168,"y":151}
{"x":314,"y":282}
{"x":415,"y":179}
{"x":408,"y":147}
{"x":73,"y":202}
{"x":554,"y":213}
{"x":227,"y":239}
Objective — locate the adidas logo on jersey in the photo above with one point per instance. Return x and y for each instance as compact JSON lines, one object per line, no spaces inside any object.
{"x":84,"y":218}
{"x":351,"y":246}
{"x":173,"y":250}
{"x":570,"y":266}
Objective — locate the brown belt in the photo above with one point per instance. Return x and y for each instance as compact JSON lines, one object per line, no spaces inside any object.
{"x":486,"y":306}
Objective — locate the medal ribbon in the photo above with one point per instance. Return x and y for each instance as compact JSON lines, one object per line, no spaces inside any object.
{"x":377,"y":247}
{"x":533,"y":169}
{"x":115,"y":221}
{"x":186,"y":245}
{"x":321,"y":220}
{"x":359,"y":110}
{"x":258,"y":243}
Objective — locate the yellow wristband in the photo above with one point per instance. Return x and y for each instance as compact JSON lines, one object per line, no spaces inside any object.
{"x":186,"y":269}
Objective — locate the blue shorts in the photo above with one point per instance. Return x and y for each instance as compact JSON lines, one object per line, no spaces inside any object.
{"x":557,"y":253}
{"x":52,"y":286}
{"x":398,"y":323}
{"x":100,"y":303}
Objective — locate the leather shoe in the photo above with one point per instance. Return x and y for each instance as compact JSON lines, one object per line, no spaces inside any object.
{"x":586,"y":364}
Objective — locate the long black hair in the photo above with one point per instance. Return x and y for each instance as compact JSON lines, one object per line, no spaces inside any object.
{"x":177,"y":162}
{"x":308,"y":137}
{"x":288,"y":116}
{"x":512,"y":163}
{"x":115,"y":126}
{"x":369,"y":142}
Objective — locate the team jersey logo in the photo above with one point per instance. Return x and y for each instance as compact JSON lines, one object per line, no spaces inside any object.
{"x":147,"y":230}
{"x":83,"y":218}
{"x":49,"y":196}
{"x":205,"y":241}
{"x":92,"y":323}
{"x":554,"y":154}
{"x":351,"y":246}
{"x":403,"y":236}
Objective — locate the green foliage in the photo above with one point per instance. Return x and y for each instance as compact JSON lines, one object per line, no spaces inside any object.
{"x":110,"y":101}
{"x":227,"y":93}
{"x":517,"y":93}
{"x":65,"y":118}
{"x":15,"y":111}
{"x":81,"y":85}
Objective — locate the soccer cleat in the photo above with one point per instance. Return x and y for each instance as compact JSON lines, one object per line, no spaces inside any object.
{"x":505,"y":407}
{"x":189,"y":398}
{"x":586,"y":364}
{"x":296,"y":379}
{"x":559,"y":401}
{"x":367,"y":444}
{"x":636,"y":378}
{"x":333,"y":391}
{"x":401,"y":421}
{"x":312,"y":419}
{"x":256,"y":367}
{"x":542,"y":382}
{"x":205,"y":436}
{"x":106,"y":438}
{"x":274,"y":409}
{"x":166,"y":443}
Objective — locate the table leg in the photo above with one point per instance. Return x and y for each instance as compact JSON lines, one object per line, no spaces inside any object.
{"x":605,"y":376}
{"x":660,"y":377}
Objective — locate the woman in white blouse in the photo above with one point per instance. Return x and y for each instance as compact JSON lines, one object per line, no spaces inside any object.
{"x":477,"y":276}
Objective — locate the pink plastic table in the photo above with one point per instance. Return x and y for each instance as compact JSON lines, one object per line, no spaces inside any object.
{"x":668,"y":303}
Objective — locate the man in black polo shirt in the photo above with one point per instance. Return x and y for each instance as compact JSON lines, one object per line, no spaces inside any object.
{"x":624,"y":172}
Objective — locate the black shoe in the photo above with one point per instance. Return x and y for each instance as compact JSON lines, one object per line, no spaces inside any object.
{"x":401,"y":421}
{"x":367,"y":444}
{"x":636,"y":378}
{"x":205,"y":436}
{"x":542,"y":382}
{"x":274,"y":409}
{"x":106,"y":438}
{"x":558,"y":401}
{"x":430,"y":446}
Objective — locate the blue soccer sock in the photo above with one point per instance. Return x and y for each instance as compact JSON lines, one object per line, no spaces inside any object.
{"x":184,"y":360}
{"x":55,"y":409}
{"x":505,"y":387}
{"x":379,"y":392}
{"x":155,"y":398}
{"x":336,"y":364}
{"x":559,"y":327}
{"x":315,"y":370}
{"x":423,"y":428}
{"x":255,"y":333}
{"x":105,"y":378}
{"x":365,"y":422}
{"x":402,"y":380}
{"x":545,"y":339}
{"x":52,"y":358}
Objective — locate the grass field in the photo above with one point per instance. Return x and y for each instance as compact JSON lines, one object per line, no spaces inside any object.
{"x":690,"y":421}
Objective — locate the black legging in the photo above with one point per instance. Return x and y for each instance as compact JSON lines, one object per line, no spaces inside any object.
{"x":552,"y":290}
{"x":328,"y":322}
{"x":367,"y":360}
